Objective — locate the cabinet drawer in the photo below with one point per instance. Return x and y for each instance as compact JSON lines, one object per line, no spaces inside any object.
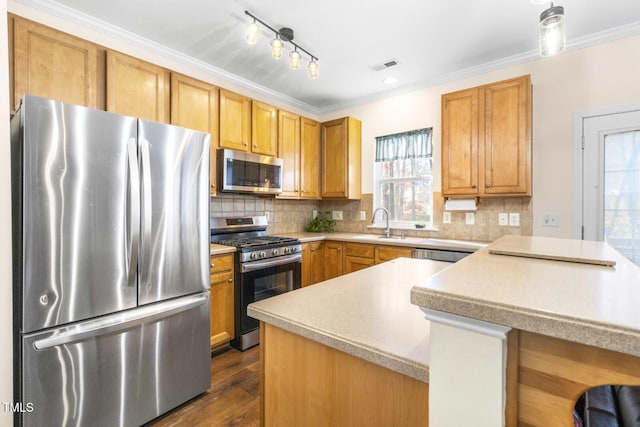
{"x":387,"y":253}
{"x":221,"y":264}
{"x":359,"y":250}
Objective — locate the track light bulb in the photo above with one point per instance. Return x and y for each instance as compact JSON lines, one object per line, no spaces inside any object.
{"x":294,"y":60}
{"x":276,"y":48}
{"x":251,"y":36}
{"x":552,"y":35}
{"x":313,"y":69}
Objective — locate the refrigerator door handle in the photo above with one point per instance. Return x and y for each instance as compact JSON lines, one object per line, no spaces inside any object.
{"x":146,"y":203}
{"x":121,"y":321}
{"x":134,"y":216}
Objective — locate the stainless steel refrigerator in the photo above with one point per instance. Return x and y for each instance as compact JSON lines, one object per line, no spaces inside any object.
{"x":111,"y":265}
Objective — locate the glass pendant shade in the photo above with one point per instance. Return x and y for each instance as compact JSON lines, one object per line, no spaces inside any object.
{"x":276,"y":48}
{"x":552,"y":35}
{"x":251,"y":36}
{"x":294,"y":60}
{"x":313,"y":69}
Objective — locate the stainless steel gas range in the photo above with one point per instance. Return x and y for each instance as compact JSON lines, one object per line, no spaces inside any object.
{"x":265,"y":266}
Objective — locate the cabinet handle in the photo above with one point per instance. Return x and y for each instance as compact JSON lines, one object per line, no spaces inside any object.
{"x":246,"y":144}
{"x":230,"y":280}
{"x":487,"y":186}
{"x":255,"y":145}
{"x":212,"y":265}
{"x":474,"y":186}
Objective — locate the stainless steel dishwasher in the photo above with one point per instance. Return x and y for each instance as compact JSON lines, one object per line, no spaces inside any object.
{"x":440,"y":254}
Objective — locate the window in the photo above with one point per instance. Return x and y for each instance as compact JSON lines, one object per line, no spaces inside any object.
{"x":404,"y":178}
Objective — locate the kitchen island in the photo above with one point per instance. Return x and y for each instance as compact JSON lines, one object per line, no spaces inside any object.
{"x":347,"y":351}
{"x":568,"y":326}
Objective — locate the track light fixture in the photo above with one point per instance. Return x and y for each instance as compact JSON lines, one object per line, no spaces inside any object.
{"x":552,"y":36}
{"x":282,"y":35}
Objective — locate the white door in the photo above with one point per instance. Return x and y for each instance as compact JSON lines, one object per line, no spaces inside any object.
{"x":611,"y":181}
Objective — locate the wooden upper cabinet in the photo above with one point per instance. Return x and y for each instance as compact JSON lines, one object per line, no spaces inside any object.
{"x":486,"y":140}
{"x":341,"y":159}
{"x":309,"y":159}
{"x":53,"y":64}
{"x":235,"y":121}
{"x":264,"y":129}
{"x":289,"y":151}
{"x":194,"y":105}
{"x":460,"y":142}
{"x":137,"y":88}
{"x":507,"y":137}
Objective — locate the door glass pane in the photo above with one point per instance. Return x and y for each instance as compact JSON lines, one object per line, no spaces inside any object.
{"x":622,"y":193}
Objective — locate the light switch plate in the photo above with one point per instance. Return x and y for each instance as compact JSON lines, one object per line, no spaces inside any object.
{"x":363,"y":215}
{"x":446,"y":217}
{"x":514,"y":219}
{"x":503,"y":219}
{"x":470,"y":218}
{"x":551,"y":219}
{"x":337,"y":215}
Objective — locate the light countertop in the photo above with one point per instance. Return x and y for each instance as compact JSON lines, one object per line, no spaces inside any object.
{"x":366,"y":314}
{"x":413,"y":242}
{"x":585,"y":303}
{"x":215,"y":249}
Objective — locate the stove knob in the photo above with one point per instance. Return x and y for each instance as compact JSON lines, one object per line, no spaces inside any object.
{"x":263,"y":254}
{"x":275,"y":252}
{"x":293,"y":249}
{"x":254,"y":255}
{"x":287,"y":250}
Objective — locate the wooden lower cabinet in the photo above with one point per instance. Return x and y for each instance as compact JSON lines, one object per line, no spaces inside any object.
{"x":387,"y":253}
{"x":312,"y":263}
{"x":333,"y":260}
{"x":305,"y":383}
{"x":357,"y":256}
{"x":222,"y":294}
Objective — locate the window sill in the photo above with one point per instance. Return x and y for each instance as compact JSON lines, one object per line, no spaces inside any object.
{"x":401,"y":227}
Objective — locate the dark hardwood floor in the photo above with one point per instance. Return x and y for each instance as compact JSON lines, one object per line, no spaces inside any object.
{"x":232,"y":400}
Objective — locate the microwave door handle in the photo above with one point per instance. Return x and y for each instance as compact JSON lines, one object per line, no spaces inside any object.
{"x":259,"y":265}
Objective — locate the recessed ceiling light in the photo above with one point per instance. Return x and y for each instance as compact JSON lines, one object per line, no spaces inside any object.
{"x":390,"y":81}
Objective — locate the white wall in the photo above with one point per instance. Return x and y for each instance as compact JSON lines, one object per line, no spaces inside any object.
{"x":587,"y":79}
{"x":6,"y":360}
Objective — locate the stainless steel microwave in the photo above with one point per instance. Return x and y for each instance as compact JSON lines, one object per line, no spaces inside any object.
{"x":240,"y":172}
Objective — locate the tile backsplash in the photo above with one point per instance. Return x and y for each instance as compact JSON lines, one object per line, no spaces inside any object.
{"x":288,"y":216}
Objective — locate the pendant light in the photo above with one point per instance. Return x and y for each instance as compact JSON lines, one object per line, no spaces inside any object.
{"x":552,"y":35}
{"x":313,"y":68}
{"x":276,"y":48}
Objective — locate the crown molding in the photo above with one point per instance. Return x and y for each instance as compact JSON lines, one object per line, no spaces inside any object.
{"x":104,"y":28}
{"x":109,"y":30}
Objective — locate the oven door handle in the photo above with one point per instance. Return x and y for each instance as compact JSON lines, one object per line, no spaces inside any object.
{"x":258,"y":265}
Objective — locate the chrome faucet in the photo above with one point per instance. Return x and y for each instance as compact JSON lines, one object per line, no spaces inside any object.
{"x":387,"y":231}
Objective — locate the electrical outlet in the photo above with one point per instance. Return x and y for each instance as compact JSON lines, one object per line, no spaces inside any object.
{"x":470,"y":218}
{"x":315,"y":213}
{"x":446,"y":217}
{"x":551,"y":219}
{"x":337,"y":215}
{"x":363,"y":216}
{"x":503,"y":219}
{"x":267,"y":215}
{"x":514,"y":219}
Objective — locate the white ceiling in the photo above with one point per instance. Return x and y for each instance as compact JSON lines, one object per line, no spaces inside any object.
{"x":433,"y":42}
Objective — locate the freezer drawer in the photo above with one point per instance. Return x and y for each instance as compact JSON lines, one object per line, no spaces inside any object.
{"x":119,"y":370}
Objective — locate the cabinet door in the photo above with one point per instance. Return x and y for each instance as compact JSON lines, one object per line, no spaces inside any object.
{"x":316,"y":259}
{"x":333,"y":260}
{"x":460,"y":143}
{"x":235,"y":121}
{"x":309,"y":159}
{"x":334,"y":158}
{"x":289,"y":151}
{"x":387,"y":253}
{"x":354,"y":263}
{"x":137,"y":88}
{"x":53,"y":64}
{"x":194,"y":105}
{"x":264,"y":129}
{"x":507,"y":137}
{"x":222,"y":315}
